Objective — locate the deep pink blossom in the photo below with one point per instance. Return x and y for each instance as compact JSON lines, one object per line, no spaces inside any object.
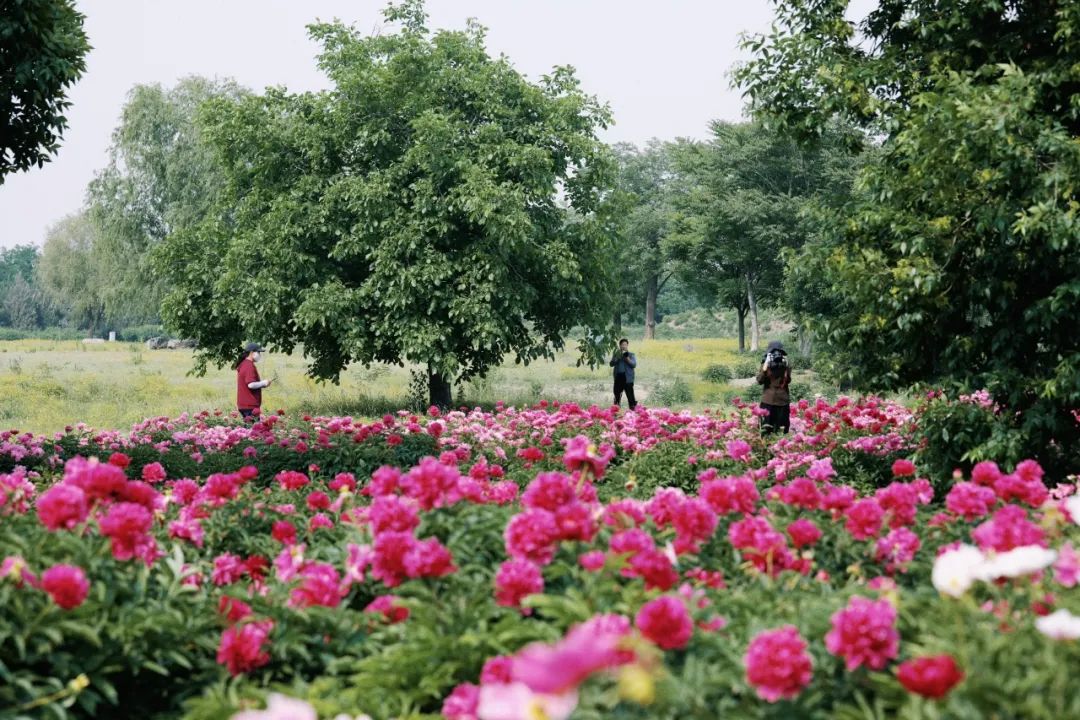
{"x":666,"y":621}
{"x":66,"y":585}
{"x":63,"y":505}
{"x":241,"y":649}
{"x":777,"y":664}
{"x":515,"y":580}
{"x":864,"y":633}
{"x":864,"y":518}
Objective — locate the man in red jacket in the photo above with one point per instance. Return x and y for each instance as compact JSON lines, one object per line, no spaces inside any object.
{"x":248,"y":384}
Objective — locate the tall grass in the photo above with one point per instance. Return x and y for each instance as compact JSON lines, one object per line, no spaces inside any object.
{"x":46,"y":385}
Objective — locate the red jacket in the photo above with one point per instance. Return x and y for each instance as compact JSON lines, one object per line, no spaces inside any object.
{"x":246,"y":398}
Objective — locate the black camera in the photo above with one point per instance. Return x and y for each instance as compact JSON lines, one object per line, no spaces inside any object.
{"x":776,"y":360}
{"x":626,"y":354}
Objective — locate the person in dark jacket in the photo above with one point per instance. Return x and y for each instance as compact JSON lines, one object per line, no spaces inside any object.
{"x":775,"y":375}
{"x":624,"y":363}
{"x":249,"y":386}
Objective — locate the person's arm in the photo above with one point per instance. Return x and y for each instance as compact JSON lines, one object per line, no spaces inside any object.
{"x":258,"y":384}
{"x":632,"y":360}
{"x":614,"y":360}
{"x":763,"y":375}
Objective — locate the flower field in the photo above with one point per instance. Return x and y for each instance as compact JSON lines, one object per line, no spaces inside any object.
{"x":538,"y":563}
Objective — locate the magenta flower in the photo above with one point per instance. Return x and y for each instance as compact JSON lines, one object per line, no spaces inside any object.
{"x":864,"y":633}
{"x":777,"y":664}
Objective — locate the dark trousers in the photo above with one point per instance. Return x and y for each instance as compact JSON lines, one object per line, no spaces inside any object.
{"x":246,"y":412}
{"x":620,"y":386}
{"x":779,"y":418}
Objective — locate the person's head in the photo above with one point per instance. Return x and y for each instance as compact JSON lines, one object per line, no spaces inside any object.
{"x":624,"y":344}
{"x":775,"y":345}
{"x":252,"y":351}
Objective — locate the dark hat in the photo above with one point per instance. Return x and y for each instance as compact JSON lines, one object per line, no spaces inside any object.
{"x":253,"y":347}
{"x":776,"y":345}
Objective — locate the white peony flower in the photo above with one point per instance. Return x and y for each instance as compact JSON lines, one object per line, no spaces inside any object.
{"x":1017,"y":562}
{"x":1072,"y":507}
{"x":1059,"y":625}
{"x":955,"y":570}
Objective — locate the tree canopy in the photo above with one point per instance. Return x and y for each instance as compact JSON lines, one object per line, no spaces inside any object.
{"x":746,"y":195}
{"x":958,"y":264}
{"x":162,"y":176}
{"x":434,"y":207}
{"x":42,"y":53}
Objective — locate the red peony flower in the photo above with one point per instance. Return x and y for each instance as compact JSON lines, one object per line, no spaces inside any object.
{"x":931,"y":676}
{"x":241,"y":649}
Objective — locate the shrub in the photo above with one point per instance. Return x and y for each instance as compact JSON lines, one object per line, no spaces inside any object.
{"x":671,"y":392}
{"x":718,"y":374}
{"x":746,"y":367}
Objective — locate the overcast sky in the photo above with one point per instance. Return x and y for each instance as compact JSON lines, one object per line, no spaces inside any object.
{"x":662,"y":66}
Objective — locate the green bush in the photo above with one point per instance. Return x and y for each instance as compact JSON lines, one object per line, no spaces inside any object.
{"x":671,"y":392}
{"x":140,"y":333}
{"x":746,"y":367}
{"x":718,"y":374}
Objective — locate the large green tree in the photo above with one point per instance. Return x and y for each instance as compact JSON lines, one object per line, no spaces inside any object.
{"x":162,"y":176}
{"x":959,"y":264}
{"x":42,"y":53}
{"x":746,"y":199}
{"x":646,"y":177}
{"x":434,"y":207}
{"x":68,"y":272}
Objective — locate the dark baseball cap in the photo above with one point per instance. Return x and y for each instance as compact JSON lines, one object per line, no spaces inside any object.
{"x":253,"y":347}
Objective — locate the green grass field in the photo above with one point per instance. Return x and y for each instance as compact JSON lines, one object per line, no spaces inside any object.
{"x":45,"y":384}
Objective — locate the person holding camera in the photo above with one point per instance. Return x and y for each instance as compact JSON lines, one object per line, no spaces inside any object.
{"x":775,"y":375}
{"x":624,"y":362}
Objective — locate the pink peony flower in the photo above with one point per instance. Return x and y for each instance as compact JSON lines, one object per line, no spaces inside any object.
{"x":390,"y":608}
{"x":462,"y":703}
{"x":864,"y":519}
{"x":428,"y":558}
{"x":803,"y":533}
{"x":62,"y":506}
{"x":559,"y":668}
{"x":593,"y":560}
{"x":1067,"y":566}
{"x":1009,"y":528}
{"x":666,"y":621}
{"x":970,"y":500}
{"x":320,"y":585}
{"x":515,"y":701}
{"x":530,"y":535}
{"x":153,"y":472}
{"x":66,"y":585}
{"x":582,"y":454}
{"x":777,"y":664}
{"x":864,"y":633}
{"x":516,"y":580}
{"x":897,"y":549}
{"x":729,"y":495}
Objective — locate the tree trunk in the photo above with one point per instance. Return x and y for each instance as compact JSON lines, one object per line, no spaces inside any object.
{"x":755,"y":330}
{"x":652,"y":289}
{"x":741,"y":313}
{"x":439,"y":390}
{"x":806,"y":341}
{"x":618,"y":321}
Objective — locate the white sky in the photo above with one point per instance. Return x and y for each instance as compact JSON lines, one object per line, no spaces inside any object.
{"x":662,"y":66}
